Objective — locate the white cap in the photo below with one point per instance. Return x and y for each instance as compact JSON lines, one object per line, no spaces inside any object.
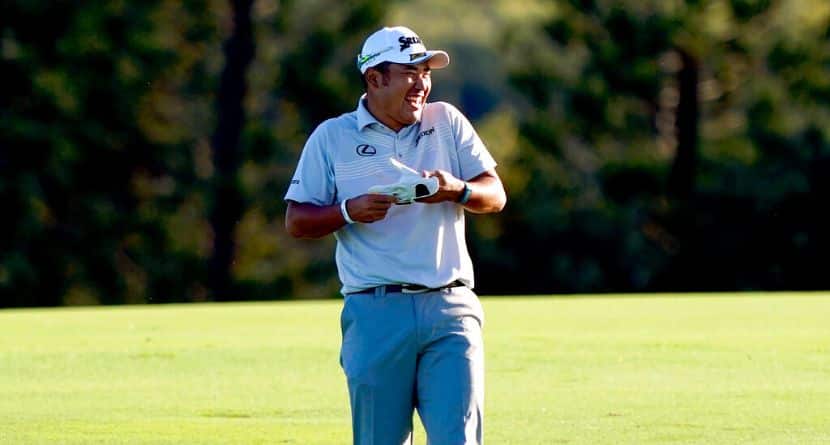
{"x":398,"y":44}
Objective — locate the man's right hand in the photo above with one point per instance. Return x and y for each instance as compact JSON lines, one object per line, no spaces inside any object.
{"x":370,"y":207}
{"x":306,"y":220}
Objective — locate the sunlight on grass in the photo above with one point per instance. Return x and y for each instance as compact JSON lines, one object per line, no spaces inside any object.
{"x":589,"y":370}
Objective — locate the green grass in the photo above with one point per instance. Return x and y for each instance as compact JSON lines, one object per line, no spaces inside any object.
{"x":718,"y":369}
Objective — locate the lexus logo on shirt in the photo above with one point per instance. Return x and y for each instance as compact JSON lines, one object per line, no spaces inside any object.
{"x":366,"y":150}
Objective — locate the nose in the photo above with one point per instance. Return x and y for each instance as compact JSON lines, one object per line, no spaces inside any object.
{"x":421,"y":83}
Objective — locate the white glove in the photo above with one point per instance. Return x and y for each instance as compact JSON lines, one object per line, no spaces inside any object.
{"x":410,"y":185}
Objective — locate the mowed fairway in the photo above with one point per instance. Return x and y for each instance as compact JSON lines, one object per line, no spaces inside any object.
{"x":714,"y":369}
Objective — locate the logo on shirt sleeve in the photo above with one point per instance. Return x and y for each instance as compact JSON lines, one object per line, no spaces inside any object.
{"x":366,"y":150}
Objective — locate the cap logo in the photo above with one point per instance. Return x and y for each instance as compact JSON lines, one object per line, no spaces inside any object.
{"x":406,"y":42}
{"x":362,"y":60}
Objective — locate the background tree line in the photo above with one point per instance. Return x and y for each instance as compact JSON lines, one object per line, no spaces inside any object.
{"x":646,"y":145}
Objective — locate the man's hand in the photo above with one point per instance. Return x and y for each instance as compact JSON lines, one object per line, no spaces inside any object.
{"x":486,"y":191}
{"x":370,"y":207}
{"x":450,"y":188}
{"x":306,"y":220}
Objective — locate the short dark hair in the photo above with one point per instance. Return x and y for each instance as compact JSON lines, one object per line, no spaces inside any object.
{"x":383,"y":67}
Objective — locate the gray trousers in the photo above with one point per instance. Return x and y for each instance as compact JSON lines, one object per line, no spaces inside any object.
{"x":424,"y":351}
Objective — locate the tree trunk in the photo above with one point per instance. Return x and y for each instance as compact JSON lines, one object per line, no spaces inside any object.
{"x":227,"y":197}
{"x":681,"y":182}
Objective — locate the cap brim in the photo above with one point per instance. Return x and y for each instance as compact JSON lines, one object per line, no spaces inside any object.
{"x":435,"y":59}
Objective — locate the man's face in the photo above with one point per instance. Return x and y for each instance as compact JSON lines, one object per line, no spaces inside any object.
{"x":401,"y":94}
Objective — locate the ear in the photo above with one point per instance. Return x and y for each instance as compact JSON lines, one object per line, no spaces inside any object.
{"x":374,"y":78}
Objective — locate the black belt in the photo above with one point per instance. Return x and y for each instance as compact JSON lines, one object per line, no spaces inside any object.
{"x":409,"y":288}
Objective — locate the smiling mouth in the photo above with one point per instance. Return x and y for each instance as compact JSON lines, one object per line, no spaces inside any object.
{"x":415,"y":101}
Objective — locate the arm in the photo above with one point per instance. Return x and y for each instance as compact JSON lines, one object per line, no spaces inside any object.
{"x":487,"y":195}
{"x":304,"y":220}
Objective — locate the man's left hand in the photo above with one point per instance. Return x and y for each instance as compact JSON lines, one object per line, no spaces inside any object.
{"x":450,"y":188}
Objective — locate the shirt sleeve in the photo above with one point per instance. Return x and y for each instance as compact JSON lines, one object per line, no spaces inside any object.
{"x":473,"y":156}
{"x":313,"y":180}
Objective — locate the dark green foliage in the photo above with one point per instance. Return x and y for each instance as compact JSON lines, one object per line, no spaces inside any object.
{"x":108,"y":112}
{"x":732,"y":203}
{"x":71,"y":145}
{"x":745,"y":10}
{"x":662,"y":146}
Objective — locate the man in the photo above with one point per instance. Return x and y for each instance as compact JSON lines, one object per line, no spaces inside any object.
{"x":411,"y":323}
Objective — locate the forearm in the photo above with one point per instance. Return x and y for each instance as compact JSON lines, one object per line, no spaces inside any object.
{"x":304,"y":220}
{"x":486,"y":194}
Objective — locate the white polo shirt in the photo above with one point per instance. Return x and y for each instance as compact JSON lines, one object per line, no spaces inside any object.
{"x":416,"y":243}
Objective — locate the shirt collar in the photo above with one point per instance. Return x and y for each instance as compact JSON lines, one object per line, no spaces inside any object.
{"x":364,"y":117}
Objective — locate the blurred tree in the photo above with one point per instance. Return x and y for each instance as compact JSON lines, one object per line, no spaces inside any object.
{"x":108,"y":126}
{"x":649,"y":140}
{"x":76,"y":77}
{"x":227,"y":198}
{"x":648,"y":145}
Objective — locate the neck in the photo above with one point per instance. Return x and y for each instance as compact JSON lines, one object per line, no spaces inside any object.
{"x":373,"y":108}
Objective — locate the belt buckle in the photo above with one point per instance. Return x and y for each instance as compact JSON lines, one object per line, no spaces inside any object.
{"x":414,"y":289}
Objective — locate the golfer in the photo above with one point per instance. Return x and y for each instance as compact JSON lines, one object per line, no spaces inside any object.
{"x":411,"y":323}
